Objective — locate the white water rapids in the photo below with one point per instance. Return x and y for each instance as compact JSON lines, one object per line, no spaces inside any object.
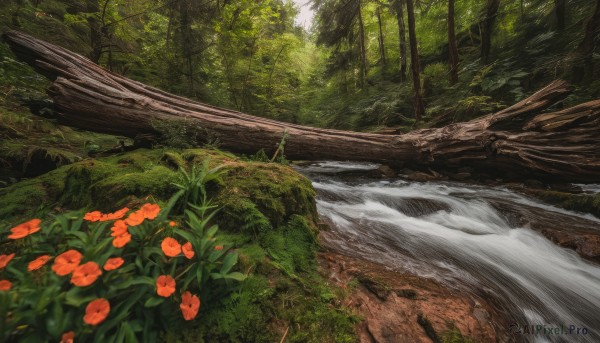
{"x":470,"y":238}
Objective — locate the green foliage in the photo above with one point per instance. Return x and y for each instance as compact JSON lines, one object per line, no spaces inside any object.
{"x":44,"y":305}
{"x":193,"y":186}
{"x":473,"y":107}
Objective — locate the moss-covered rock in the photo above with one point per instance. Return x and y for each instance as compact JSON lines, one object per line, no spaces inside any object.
{"x":587,"y":203}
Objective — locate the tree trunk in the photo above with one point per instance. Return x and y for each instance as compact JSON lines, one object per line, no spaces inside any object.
{"x":519,"y":140}
{"x":560,"y":10}
{"x":402,"y":39}
{"x":584,"y":52}
{"x":363,"y":48}
{"x":453,"y":49}
{"x":381,"y":41}
{"x":95,"y":31}
{"x":414,"y":62}
{"x":491,"y":11}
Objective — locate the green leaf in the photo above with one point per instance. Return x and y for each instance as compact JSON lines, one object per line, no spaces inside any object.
{"x":230,"y":260}
{"x":153,"y":302}
{"x":216,"y":254}
{"x":236,"y":276}
{"x":212,"y":230}
{"x":76,"y":297}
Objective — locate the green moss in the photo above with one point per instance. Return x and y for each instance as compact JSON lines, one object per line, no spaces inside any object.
{"x":588,"y":203}
{"x":268,"y":214}
{"x":454,"y":336}
{"x":266,"y":191}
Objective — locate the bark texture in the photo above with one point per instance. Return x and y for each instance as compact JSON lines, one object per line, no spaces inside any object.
{"x":520,"y":140}
{"x":414,"y":62}
{"x":452,"y":48}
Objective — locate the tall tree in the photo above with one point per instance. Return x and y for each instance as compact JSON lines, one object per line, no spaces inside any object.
{"x":585,"y":50}
{"x":487,"y":26}
{"x":452,"y":48}
{"x":560,"y":10}
{"x":398,"y":5}
{"x":414,"y":61}
{"x":381,"y":41}
{"x":93,"y":8}
{"x":363,"y":48}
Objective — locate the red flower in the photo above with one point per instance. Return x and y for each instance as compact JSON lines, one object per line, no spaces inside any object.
{"x":190,"y":304}
{"x":4,"y":259}
{"x":96,"y":311}
{"x":66,"y":262}
{"x":172,"y":223}
{"x":150,"y":211}
{"x":219,"y":247}
{"x":25,"y":229}
{"x":5,"y":285}
{"x":93,"y":216}
{"x":135,"y":218}
{"x":38,"y":262}
{"x":188,"y":250}
{"x":122,"y":240}
{"x":170,"y":247}
{"x":113,"y":263}
{"x":119,"y":228}
{"x":86,"y":274}
{"x":67,"y":337}
{"x":165,"y":286}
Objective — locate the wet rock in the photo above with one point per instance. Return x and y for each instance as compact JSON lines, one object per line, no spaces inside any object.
{"x":429,"y":330}
{"x":407,"y":293}
{"x":375,"y":286}
{"x":386,"y":171}
{"x":531,"y":183}
{"x":419,"y":176}
{"x":463,"y":176}
{"x":417,"y":207}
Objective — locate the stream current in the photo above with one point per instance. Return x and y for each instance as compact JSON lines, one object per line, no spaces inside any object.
{"x":470,"y":238}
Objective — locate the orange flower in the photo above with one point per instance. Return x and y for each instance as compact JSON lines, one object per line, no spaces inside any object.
{"x":119,"y":228}
{"x":188,"y":250}
{"x":219,"y":247}
{"x":25,"y":229}
{"x":165,"y":286}
{"x":38,"y":262}
{"x":93,"y":216}
{"x":190,"y":304}
{"x":4,"y":259}
{"x":96,"y":311}
{"x":150,"y":211}
{"x":113,"y":263}
{"x":67,"y":337}
{"x":135,"y":218}
{"x":86,"y":274}
{"x":5,"y":285}
{"x":172,"y":223}
{"x":170,"y":247}
{"x":66,"y":262}
{"x":118,"y":214}
{"x":122,"y":240}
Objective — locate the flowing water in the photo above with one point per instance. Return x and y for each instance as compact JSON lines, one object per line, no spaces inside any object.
{"x":473,"y":238}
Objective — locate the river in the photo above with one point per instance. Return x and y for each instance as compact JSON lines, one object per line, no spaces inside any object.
{"x":471,"y":238}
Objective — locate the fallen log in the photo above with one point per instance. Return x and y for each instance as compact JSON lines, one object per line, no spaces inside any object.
{"x":520,"y":140}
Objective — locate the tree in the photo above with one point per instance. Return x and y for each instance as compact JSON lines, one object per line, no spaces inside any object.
{"x":560,"y":10}
{"x":363,"y":47}
{"x":340,"y":23}
{"x":414,"y":62}
{"x":380,"y":37}
{"x":452,"y":48}
{"x":398,"y":7}
{"x":487,"y":27}
{"x":585,"y":51}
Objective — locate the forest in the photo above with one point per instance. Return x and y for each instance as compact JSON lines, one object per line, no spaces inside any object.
{"x":299,"y":171}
